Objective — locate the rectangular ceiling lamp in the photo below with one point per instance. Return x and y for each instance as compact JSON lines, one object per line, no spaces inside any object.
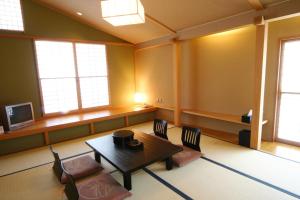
{"x":123,"y":12}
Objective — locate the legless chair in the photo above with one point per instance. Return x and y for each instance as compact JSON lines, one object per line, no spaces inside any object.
{"x":100,"y":187}
{"x":160,"y":128}
{"x":78,"y":167}
{"x":190,"y":138}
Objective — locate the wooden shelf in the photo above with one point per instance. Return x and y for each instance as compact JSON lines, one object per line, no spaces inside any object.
{"x":72,"y":120}
{"x":218,"y":116}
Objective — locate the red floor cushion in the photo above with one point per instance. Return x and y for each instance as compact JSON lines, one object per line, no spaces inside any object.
{"x":186,"y":156}
{"x":101,"y":187}
{"x":80,"y":167}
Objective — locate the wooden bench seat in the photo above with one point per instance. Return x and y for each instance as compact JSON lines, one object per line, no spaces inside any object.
{"x":44,"y":125}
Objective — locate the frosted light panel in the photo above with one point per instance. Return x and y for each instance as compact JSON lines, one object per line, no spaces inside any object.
{"x":59,"y":95}
{"x":290,"y":81}
{"x":123,"y":12}
{"x":55,"y":59}
{"x":11,"y":15}
{"x":94,"y":92}
{"x":91,"y":60}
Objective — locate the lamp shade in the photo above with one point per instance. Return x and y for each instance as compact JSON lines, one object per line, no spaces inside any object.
{"x":139,"y":98}
{"x":123,"y":12}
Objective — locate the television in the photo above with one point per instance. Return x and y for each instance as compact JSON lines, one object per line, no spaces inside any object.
{"x":17,"y":116}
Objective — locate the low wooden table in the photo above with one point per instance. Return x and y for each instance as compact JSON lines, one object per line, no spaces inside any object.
{"x":128,"y":161}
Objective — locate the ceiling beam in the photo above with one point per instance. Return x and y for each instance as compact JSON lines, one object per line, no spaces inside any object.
{"x":150,"y":18}
{"x":256,"y":4}
{"x":274,"y":12}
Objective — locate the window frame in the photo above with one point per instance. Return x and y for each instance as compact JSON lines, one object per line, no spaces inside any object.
{"x":23,"y":20}
{"x":279,"y":92}
{"x":77,"y":79}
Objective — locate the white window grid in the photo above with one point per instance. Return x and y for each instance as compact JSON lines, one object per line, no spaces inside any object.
{"x":92,"y":87}
{"x":11,"y":15}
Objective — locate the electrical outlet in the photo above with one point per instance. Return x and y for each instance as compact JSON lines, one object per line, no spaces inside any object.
{"x":157,"y":100}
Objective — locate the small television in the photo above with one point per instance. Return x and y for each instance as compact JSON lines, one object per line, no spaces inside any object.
{"x":17,"y":116}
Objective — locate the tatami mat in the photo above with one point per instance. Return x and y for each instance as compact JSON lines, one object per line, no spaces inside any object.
{"x":41,"y":183}
{"x":202,"y":179}
{"x":39,"y":156}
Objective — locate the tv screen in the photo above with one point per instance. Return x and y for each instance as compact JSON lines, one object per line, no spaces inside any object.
{"x":19,"y":114}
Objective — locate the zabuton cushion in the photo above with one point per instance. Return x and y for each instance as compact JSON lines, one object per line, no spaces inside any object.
{"x":80,"y":167}
{"x":186,"y":156}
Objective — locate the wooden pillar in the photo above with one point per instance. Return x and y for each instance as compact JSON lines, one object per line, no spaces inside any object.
{"x":259,"y":87}
{"x":177,"y":88}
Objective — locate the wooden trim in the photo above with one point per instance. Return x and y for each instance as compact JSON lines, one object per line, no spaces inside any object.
{"x":177,"y":88}
{"x":153,"y":46}
{"x":92,"y":128}
{"x":57,"y":123}
{"x":25,"y":36}
{"x":170,"y":108}
{"x":259,"y":85}
{"x":277,"y":96}
{"x":279,"y":92}
{"x":218,"y":116}
{"x":256,"y":4}
{"x":108,"y":75}
{"x":274,"y":12}
{"x":287,"y":142}
{"x":78,"y":89}
{"x":290,"y":38}
{"x":126,"y":121}
{"x":160,"y":24}
{"x":46,"y":138}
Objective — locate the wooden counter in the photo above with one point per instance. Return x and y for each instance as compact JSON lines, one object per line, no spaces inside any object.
{"x":219,"y":116}
{"x":73,"y":120}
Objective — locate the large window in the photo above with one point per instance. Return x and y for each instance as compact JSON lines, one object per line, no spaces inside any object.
{"x":11,"y":15}
{"x":72,"y":75}
{"x":289,"y":93}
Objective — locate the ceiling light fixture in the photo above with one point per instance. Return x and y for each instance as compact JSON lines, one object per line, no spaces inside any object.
{"x":79,"y":13}
{"x":123,"y":12}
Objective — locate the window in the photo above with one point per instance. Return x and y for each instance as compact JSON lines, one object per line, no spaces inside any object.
{"x":72,"y":76}
{"x":11,"y":15}
{"x":289,"y":93}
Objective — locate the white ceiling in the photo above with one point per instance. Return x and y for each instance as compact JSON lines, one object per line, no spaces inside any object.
{"x":176,"y":14}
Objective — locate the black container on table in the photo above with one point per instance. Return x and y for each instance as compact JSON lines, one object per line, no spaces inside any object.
{"x":122,"y":137}
{"x":244,"y":137}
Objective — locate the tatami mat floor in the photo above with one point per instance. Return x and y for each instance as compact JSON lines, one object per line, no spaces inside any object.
{"x":228,"y":171}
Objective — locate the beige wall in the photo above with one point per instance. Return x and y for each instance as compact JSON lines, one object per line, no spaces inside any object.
{"x":154,"y":74}
{"x":277,"y":30}
{"x":217,"y":74}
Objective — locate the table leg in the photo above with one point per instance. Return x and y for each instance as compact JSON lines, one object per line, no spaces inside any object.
{"x":97,"y":157}
{"x":127,"y":180}
{"x":169,"y":163}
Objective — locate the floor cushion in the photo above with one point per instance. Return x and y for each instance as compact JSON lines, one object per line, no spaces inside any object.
{"x":101,"y":187}
{"x":186,"y":156}
{"x":80,"y":167}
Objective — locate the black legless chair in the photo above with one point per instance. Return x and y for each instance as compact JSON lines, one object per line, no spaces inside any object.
{"x":160,"y":128}
{"x":100,"y":187}
{"x":78,"y":167}
{"x":190,"y":138}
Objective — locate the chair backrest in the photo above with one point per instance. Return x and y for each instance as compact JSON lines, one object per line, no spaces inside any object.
{"x":57,"y":164}
{"x":190,"y":137}
{"x":160,"y":128}
{"x":70,"y":188}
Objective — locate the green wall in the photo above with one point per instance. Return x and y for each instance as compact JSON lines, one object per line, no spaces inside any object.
{"x":18,"y":75}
